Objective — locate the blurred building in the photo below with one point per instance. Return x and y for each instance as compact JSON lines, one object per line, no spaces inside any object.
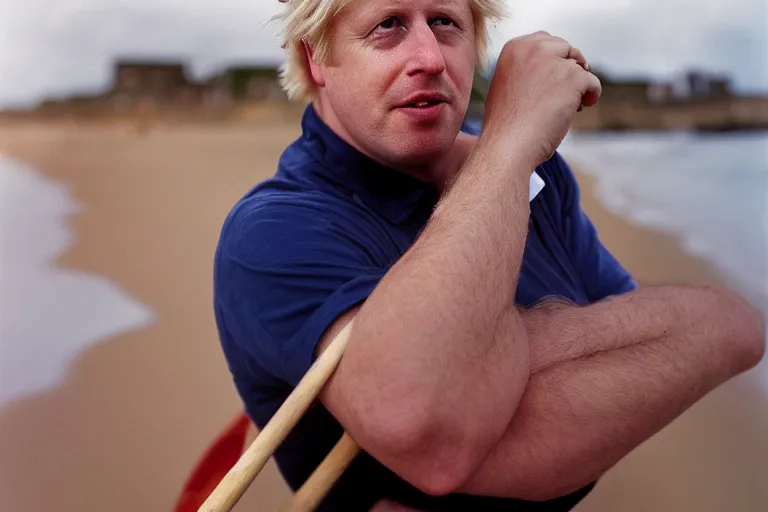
{"x":168,"y":85}
{"x":627,"y":91}
{"x":248,"y":83}
{"x":700,"y":84}
{"x":148,"y":84}
{"x":152,"y":85}
{"x":159,"y":79}
{"x":690,"y":86}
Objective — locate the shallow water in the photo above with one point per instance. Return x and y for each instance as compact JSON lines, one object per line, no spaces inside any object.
{"x":48,"y":314}
{"x":711,"y":190}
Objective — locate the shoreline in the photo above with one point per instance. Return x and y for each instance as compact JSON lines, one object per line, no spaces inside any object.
{"x":136,"y":410}
{"x":652,"y":256}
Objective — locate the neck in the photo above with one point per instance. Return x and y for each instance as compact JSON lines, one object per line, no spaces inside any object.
{"x":438,"y":172}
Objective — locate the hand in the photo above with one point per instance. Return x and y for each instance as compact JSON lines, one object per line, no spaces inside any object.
{"x":539,"y":83}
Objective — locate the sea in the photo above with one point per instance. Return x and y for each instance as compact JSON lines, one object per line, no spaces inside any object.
{"x":48,"y":314}
{"x":711,"y":190}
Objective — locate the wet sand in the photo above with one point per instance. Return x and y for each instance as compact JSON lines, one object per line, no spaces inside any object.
{"x":136,"y":411}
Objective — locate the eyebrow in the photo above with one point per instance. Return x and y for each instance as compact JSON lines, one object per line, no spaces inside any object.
{"x":369,"y":9}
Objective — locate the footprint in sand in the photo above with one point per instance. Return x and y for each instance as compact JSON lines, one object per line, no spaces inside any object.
{"x":48,"y":315}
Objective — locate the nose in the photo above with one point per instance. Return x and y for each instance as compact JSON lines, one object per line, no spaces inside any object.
{"x":426,"y":53}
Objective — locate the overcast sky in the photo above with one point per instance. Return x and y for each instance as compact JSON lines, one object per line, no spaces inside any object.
{"x":61,"y":46}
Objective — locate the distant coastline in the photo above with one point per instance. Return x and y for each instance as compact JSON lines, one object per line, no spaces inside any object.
{"x":147,"y":92}
{"x":732,"y":113}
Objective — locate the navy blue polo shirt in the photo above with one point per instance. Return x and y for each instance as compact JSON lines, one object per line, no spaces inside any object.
{"x":313,"y":241}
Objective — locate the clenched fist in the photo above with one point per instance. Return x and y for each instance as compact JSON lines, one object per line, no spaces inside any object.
{"x":540,"y":82}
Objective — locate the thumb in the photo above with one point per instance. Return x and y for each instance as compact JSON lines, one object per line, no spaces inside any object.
{"x":592,"y":92}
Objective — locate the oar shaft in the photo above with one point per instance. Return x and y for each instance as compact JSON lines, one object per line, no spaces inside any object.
{"x":236,"y":482}
{"x":324,"y":477}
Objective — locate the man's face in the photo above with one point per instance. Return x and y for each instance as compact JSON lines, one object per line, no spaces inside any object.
{"x":400,"y":77}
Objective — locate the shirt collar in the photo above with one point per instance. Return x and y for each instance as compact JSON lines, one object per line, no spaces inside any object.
{"x":392,"y":194}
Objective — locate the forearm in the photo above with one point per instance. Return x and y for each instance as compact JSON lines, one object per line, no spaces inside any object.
{"x":578,"y":418}
{"x":443,"y":316}
{"x":559,"y":331}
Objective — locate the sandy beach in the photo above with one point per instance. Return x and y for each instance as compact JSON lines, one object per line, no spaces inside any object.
{"x":136,"y":410}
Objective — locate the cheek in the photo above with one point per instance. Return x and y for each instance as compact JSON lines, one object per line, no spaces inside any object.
{"x":460,"y":61}
{"x":462,"y":71}
{"x":358,"y":85}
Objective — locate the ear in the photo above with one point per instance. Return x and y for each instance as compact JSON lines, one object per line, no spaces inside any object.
{"x":315,"y":71}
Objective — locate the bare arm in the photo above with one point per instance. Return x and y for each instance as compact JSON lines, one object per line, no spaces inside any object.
{"x":444,"y":314}
{"x":650,"y":355}
{"x":437,"y":379}
{"x":445,"y":309}
{"x":559,"y":331}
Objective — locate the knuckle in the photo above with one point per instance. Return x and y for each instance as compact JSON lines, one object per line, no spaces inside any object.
{"x":573,"y":65}
{"x":572,"y":69}
{"x":507,"y":52}
{"x":538,"y":50}
{"x":509,"y":45}
{"x":512,"y":43}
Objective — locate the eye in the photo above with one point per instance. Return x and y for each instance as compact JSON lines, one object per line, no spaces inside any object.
{"x":443,"y":22}
{"x":390,"y":24}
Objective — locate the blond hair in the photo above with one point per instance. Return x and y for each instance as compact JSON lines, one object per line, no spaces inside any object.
{"x":309,"y":21}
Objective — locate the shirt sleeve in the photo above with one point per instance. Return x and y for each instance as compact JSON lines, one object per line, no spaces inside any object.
{"x":283,"y":275}
{"x":600,"y":271}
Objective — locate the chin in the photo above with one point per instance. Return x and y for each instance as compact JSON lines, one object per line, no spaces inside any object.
{"x":428,"y":144}
{"x":419,"y":150}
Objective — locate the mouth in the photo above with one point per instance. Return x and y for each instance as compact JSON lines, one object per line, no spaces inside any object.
{"x":422,"y":104}
{"x":424,"y":100}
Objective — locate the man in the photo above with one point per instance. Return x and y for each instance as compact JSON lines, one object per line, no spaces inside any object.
{"x":465,"y":385}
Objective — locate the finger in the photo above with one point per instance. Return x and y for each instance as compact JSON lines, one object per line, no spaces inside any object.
{"x":575,"y":54}
{"x":540,"y":34}
{"x":589,"y":85}
{"x":556,"y":46}
{"x":533,"y":36}
{"x":593,"y":90}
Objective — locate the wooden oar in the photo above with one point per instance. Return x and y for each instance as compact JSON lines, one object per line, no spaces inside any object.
{"x":321,"y":482}
{"x":236,"y":482}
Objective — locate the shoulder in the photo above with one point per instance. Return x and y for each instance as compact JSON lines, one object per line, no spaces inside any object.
{"x":282,"y":223}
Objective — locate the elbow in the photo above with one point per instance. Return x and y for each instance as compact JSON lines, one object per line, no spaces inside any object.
{"x":751,"y":343}
{"x":746,"y":335}
{"x":755,"y":350}
{"x":441,"y":480}
{"x":435,"y":448}
{"x":434,"y":459}
{"x":758,"y":346}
